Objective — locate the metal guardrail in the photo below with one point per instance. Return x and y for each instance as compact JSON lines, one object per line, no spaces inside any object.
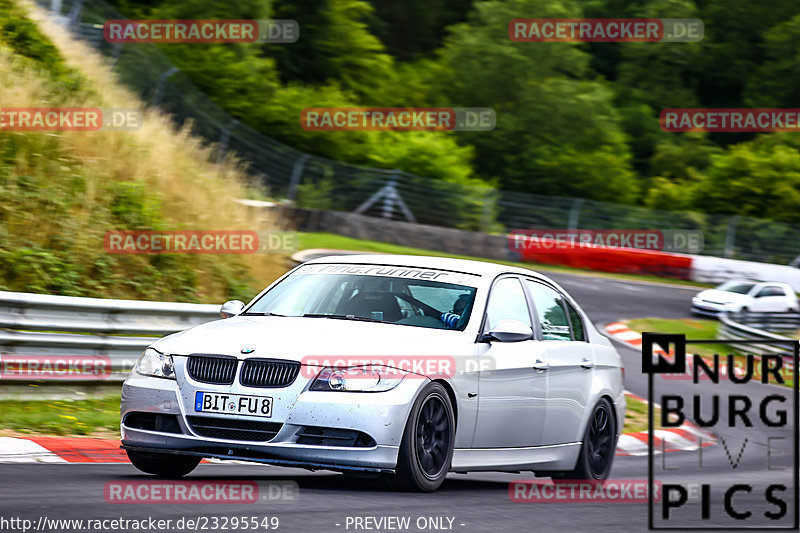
{"x":42,"y":326}
{"x":771,"y":322}
{"x":753,"y":326}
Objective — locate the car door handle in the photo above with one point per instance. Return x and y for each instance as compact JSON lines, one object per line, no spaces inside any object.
{"x":586,"y":363}
{"x":541,"y":366}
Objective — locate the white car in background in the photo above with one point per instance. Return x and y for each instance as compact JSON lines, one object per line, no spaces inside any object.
{"x":746,"y":296}
{"x":311,"y":374}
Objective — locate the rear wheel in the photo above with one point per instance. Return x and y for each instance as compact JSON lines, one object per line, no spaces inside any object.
{"x":427,"y":446}
{"x":599,"y":443}
{"x":163,"y":464}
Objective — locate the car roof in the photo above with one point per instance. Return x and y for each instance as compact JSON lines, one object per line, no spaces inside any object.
{"x":758,"y":282}
{"x":468,"y":266}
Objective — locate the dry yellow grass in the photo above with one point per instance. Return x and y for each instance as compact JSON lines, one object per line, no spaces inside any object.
{"x":172,"y":166}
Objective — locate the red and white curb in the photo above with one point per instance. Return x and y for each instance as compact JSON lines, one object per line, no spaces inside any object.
{"x":60,"y":450}
{"x":80,"y":450}
{"x":686,"y":437}
{"x":623,"y":333}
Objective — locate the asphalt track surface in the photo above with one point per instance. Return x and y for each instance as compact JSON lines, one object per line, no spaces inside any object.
{"x":477,"y":502}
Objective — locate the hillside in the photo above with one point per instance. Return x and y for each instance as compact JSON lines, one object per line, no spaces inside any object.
{"x":60,"y":192}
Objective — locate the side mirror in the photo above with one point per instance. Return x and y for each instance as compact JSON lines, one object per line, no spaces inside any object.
{"x":509,"y":331}
{"x":231,"y":308}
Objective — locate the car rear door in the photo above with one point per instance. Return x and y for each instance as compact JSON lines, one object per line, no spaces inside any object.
{"x":569,"y":360}
{"x":771,"y":298}
{"x":512,"y":392}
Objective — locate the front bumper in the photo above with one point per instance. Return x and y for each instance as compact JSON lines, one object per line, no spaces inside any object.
{"x":381,"y":416}
{"x":709,"y":309}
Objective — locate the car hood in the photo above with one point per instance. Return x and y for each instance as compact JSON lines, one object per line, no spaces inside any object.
{"x":724,"y":297}
{"x":294,"y":338}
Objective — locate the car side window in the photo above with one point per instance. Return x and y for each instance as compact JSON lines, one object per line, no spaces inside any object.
{"x":577,"y":323}
{"x":550,"y":309}
{"x":770,"y":291}
{"x":507,"y":302}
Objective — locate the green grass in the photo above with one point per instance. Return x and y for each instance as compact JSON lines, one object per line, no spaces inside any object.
{"x":339,"y":242}
{"x":78,"y":417}
{"x":694,"y":329}
{"x":636,"y":415}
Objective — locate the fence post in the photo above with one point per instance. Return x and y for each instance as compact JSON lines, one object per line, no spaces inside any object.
{"x":223,"y":140}
{"x":75,"y":14}
{"x":730,"y":236}
{"x":162,"y":79}
{"x":117,"y":51}
{"x":294,"y":179}
{"x":390,"y":197}
{"x":575,"y":213}
{"x":486,"y":211}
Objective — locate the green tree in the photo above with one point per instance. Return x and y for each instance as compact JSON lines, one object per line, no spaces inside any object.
{"x":414,"y":28}
{"x":556,"y":133}
{"x":759,"y":179}
{"x":335,"y":44}
{"x":776,"y":82}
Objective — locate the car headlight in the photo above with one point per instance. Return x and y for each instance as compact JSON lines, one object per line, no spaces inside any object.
{"x":358,"y":379}
{"x":156,"y":364}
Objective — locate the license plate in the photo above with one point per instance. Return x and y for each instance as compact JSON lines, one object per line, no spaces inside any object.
{"x":232,"y":404}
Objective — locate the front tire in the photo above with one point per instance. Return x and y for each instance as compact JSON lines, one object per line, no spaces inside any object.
{"x":426,"y":450}
{"x":599,"y":445}
{"x":163,"y":464}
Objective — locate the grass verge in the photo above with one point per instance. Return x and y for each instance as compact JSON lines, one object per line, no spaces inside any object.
{"x":69,"y":417}
{"x":636,"y":415}
{"x":694,"y":329}
{"x":61,"y":192}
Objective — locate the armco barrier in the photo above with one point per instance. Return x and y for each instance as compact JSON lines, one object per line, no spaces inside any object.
{"x":42,"y":326}
{"x":771,"y":322}
{"x":731,"y":329}
{"x":718,"y":269}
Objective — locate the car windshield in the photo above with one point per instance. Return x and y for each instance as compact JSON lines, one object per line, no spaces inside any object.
{"x":398,"y":295}
{"x":739,"y":287}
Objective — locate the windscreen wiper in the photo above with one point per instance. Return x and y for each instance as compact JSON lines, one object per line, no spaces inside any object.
{"x":341,"y":317}
{"x":268,"y":313}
